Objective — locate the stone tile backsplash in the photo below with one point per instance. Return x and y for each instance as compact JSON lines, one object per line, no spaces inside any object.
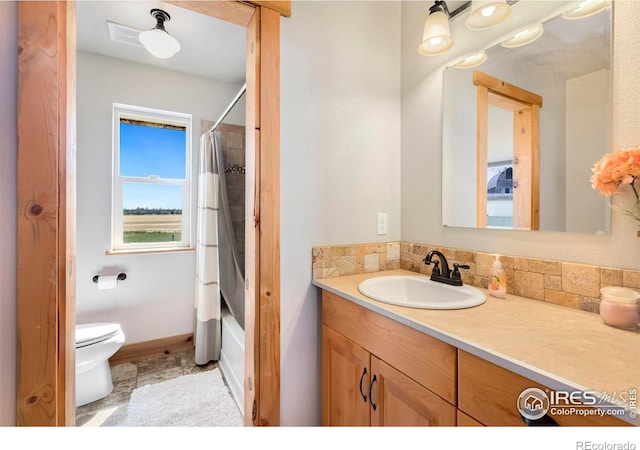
{"x":351,"y":259}
{"x":567,"y":284}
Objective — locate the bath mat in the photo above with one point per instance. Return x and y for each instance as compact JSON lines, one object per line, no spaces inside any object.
{"x":197,"y":400}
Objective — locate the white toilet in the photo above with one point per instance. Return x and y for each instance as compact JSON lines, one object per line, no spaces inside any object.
{"x":95,"y":344}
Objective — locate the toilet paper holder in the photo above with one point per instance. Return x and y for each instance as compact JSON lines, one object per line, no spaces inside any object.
{"x":121,"y":276}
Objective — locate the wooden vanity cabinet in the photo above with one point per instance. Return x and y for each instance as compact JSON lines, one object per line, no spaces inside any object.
{"x":376,"y":371}
{"x":488,"y":394}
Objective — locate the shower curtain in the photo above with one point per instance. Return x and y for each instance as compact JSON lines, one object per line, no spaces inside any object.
{"x":217,"y":270}
{"x":208,"y":334}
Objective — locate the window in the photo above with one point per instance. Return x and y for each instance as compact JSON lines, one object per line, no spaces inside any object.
{"x":151,"y":179}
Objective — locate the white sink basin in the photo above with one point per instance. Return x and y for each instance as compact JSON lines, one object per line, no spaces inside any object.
{"x":420,"y":292}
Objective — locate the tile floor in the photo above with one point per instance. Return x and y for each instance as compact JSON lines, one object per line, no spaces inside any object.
{"x":111,"y":410}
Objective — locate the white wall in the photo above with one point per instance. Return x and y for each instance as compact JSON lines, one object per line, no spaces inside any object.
{"x":421,"y":156}
{"x":340,"y":163}
{"x":8,"y":156}
{"x":156,"y":300}
{"x":459,"y":162}
{"x":588,"y":105}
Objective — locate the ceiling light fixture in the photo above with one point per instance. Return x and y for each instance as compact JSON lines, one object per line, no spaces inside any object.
{"x":587,"y":8}
{"x":524,"y":37}
{"x":157,"y":41}
{"x":471,"y":61}
{"x":487,"y":13}
{"x":436,"y":37}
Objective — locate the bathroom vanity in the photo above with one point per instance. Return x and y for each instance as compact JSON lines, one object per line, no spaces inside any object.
{"x":390,"y":365}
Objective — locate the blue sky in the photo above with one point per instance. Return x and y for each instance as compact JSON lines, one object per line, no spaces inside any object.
{"x":146,"y":151}
{"x":152,"y":196}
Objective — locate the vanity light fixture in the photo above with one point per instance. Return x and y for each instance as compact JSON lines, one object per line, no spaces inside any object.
{"x":471,"y":61}
{"x":587,"y":8}
{"x":487,"y":13}
{"x":524,"y":37}
{"x":157,"y":41}
{"x":436,"y":37}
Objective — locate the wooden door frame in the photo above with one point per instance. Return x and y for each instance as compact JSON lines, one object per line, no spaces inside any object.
{"x":525,"y":107}
{"x":45,"y":391}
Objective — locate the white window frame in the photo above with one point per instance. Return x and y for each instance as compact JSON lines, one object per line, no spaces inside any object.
{"x":123,"y":111}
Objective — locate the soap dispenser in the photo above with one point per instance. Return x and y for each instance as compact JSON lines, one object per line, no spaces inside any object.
{"x":498,"y":282}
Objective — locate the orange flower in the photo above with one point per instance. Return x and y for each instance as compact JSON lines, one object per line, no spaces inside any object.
{"x":617,"y":168}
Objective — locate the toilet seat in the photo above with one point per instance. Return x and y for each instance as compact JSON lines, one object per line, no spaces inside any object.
{"x":92,"y":333}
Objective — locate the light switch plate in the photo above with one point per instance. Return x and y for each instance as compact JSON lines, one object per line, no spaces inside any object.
{"x":383,"y":224}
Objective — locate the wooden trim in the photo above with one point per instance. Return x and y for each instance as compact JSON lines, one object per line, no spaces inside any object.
{"x":238,"y":12}
{"x":252,"y":238}
{"x":506,"y":103}
{"x":252,"y":298}
{"x":535,"y":167}
{"x":522,"y":165}
{"x":46,"y":215}
{"x":506,"y":89}
{"x":230,"y":11}
{"x":269,"y":219}
{"x":67,"y":237}
{"x":139,"y":350}
{"x":281,"y":7}
{"x":482,"y":143}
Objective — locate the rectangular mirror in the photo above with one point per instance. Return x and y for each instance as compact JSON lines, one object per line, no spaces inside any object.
{"x":522,"y":130}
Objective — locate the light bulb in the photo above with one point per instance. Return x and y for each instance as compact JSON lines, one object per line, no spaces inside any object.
{"x":488,"y":11}
{"x":524,"y":37}
{"x":159,"y":43}
{"x":472,"y":61}
{"x":436,"y":38}
{"x":587,"y":8}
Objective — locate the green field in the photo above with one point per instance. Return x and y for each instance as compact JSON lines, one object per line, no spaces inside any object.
{"x":151,"y":236}
{"x":152,"y":228}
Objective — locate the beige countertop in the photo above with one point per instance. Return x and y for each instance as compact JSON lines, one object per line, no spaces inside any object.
{"x":562,"y":348}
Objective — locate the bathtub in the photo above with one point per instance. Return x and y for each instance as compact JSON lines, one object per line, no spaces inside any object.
{"x":232,"y":356}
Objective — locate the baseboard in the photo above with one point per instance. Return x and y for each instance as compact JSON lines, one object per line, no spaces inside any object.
{"x":155,"y":347}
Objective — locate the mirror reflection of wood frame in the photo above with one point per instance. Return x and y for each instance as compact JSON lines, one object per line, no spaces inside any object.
{"x":525,"y":107}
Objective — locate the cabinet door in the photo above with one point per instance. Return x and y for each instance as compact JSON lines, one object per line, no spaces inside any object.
{"x":397,"y":400}
{"x":345,"y":381}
